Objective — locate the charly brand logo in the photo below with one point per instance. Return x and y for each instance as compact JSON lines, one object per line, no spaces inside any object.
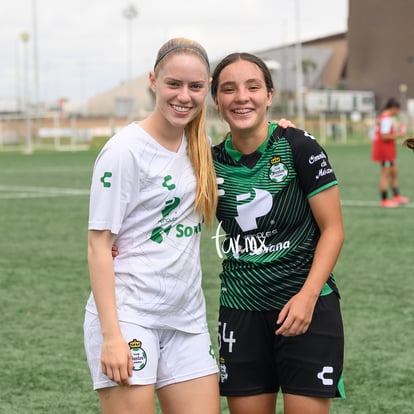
{"x":321,"y":375}
{"x":139,"y":356}
{"x":165,"y":184}
{"x":104,"y":179}
{"x":308,"y":135}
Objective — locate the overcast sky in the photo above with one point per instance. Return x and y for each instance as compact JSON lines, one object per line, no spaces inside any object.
{"x":82,"y":45}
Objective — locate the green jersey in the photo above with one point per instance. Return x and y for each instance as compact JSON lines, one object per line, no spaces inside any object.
{"x":270,"y":232}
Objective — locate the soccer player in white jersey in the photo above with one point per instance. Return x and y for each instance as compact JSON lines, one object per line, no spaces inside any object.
{"x":280,"y":325}
{"x":153,"y":185}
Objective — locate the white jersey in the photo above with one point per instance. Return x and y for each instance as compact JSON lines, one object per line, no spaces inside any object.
{"x":145,"y":195}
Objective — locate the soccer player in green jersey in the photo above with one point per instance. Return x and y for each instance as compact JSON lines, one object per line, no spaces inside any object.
{"x":280,"y":325}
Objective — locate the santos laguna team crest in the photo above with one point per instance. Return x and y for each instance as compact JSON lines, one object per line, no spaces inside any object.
{"x":278,"y":171}
{"x":139,"y":356}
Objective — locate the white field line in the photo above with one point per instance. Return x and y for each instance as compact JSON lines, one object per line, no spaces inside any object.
{"x":47,"y":170}
{"x":9,"y":192}
{"x":18,"y":192}
{"x":361,"y":203}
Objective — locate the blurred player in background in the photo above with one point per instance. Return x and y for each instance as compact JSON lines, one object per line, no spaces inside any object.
{"x":388,"y":130}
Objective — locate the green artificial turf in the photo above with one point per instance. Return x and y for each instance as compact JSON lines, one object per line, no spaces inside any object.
{"x":44,"y":285}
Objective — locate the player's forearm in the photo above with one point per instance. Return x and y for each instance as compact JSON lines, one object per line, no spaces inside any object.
{"x":325,"y":258}
{"x":392,"y":136}
{"x":102,"y":279}
{"x":326,"y":209}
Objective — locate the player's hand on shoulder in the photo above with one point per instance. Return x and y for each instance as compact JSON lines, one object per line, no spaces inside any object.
{"x":285,"y":123}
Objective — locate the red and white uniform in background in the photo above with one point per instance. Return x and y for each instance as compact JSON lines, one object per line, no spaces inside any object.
{"x":384,"y":149}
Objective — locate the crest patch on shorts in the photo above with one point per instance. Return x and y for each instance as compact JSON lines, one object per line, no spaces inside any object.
{"x":139,"y":356}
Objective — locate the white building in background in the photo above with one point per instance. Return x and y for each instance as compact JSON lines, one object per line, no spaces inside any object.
{"x":134,"y":99}
{"x":325,"y":58}
{"x":10,"y":106}
{"x":340,"y":101}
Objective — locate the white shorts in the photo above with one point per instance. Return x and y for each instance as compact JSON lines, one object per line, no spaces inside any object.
{"x":160,"y":356}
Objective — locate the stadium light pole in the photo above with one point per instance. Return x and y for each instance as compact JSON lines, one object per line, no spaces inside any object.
{"x":35,"y":69}
{"x":35,"y":56}
{"x":299,"y":74}
{"x":18,"y":76}
{"x":129,"y":13}
{"x":26,"y":105}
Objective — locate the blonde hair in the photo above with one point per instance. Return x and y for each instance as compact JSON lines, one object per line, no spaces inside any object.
{"x":199,"y":148}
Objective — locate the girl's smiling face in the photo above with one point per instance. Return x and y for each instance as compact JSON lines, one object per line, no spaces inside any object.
{"x":181,"y":85}
{"x":242,"y":96}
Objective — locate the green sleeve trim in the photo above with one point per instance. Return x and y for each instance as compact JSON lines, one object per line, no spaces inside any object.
{"x":324,"y":187}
